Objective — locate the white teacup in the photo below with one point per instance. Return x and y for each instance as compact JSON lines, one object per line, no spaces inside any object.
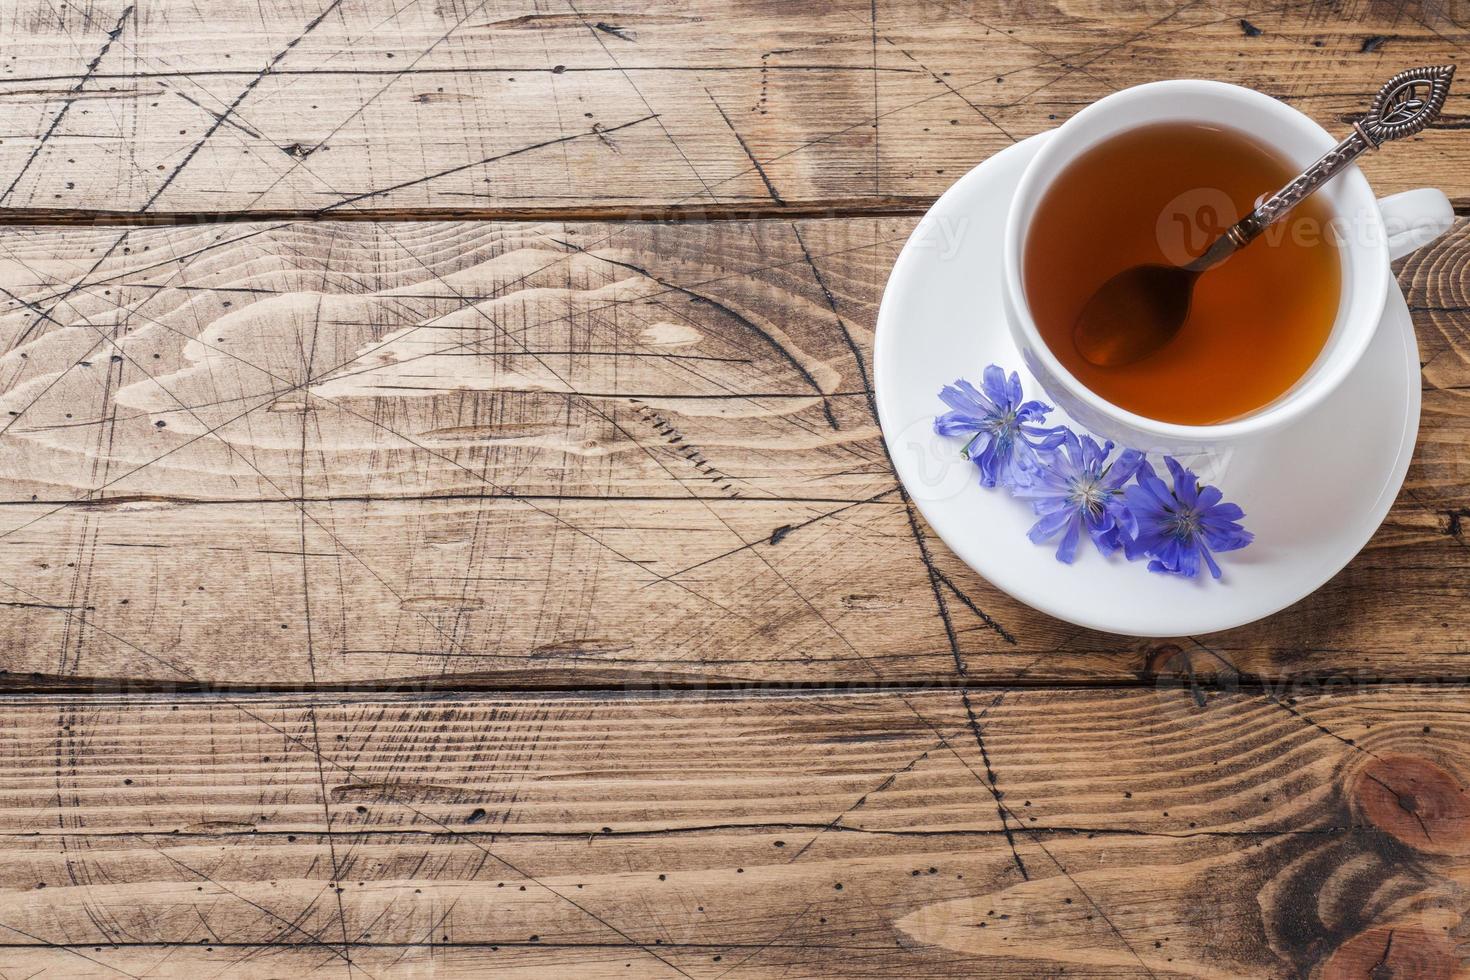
{"x":1371,"y":233}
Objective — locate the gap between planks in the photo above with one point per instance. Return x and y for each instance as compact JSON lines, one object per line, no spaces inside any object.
{"x":25,"y":688}
{"x":861,"y":207}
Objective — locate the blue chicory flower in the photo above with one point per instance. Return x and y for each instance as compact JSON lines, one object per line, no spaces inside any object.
{"x":1006,"y":436}
{"x":1080,"y":488}
{"x":1179,"y":527}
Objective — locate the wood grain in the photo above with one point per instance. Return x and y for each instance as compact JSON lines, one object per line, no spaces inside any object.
{"x":498,"y":107}
{"x":552,"y":455}
{"x":1218,"y":834}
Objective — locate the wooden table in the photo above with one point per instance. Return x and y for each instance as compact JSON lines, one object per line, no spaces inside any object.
{"x":447,"y":532}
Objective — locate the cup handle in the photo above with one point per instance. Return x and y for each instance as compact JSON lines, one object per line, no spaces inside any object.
{"x":1415,"y":218}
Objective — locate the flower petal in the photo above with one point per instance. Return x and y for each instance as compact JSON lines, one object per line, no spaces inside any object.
{"x":1227,"y":537}
{"x":1090,"y":454}
{"x":1067,"y":550}
{"x":1208,"y":497}
{"x":1049,"y":525}
{"x":1033,"y":411}
{"x":993,"y":383}
{"x":1224,"y":512}
{"x":956,"y":423}
{"x":1121,"y":470}
{"x":1169,"y":552}
{"x":1187,"y":563}
{"x":1046,"y":440}
{"x":1107,"y":540}
{"x":1145,"y":542}
{"x":965,"y":398}
{"x":1038,"y":491}
{"x":1122,"y":516}
{"x":1050,"y":505}
{"x":1149,"y":499}
{"x":1186,"y":484}
{"x":1148,"y":481}
{"x":1013,"y":388}
{"x":981,"y":444}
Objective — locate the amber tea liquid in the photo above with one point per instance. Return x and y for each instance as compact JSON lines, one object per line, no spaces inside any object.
{"x":1156,"y":195}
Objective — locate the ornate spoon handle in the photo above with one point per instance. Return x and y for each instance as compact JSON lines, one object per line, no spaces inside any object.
{"x":1405,"y":104}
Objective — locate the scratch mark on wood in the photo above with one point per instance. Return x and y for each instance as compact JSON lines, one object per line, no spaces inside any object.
{"x":991,"y":779}
{"x":219,"y":116}
{"x":969,"y":603}
{"x":1287,"y":706}
{"x":48,"y":944}
{"x":737,"y":317}
{"x":690,"y":452}
{"x":794,"y":527}
{"x":290,"y":925}
{"x":71,"y":98}
{"x":235,"y":103}
{"x":770,"y":187}
{"x":857,"y":804}
{"x":617,"y":32}
{"x":597,"y":31}
{"x":941,"y":80}
{"x":599,"y":132}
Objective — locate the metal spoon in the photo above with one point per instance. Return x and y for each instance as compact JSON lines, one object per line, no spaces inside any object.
{"x":1140,"y":309}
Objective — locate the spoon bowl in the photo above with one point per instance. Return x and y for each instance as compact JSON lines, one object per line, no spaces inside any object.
{"x":1134,"y":314}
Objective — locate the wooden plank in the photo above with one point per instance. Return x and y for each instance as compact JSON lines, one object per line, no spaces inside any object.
{"x":282,"y":454}
{"x":1112,"y":833}
{"x":498,"y":106}
{"x":580,"y":358}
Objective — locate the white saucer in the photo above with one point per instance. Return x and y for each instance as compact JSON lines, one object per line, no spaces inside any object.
{"x":1313,"y":495}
